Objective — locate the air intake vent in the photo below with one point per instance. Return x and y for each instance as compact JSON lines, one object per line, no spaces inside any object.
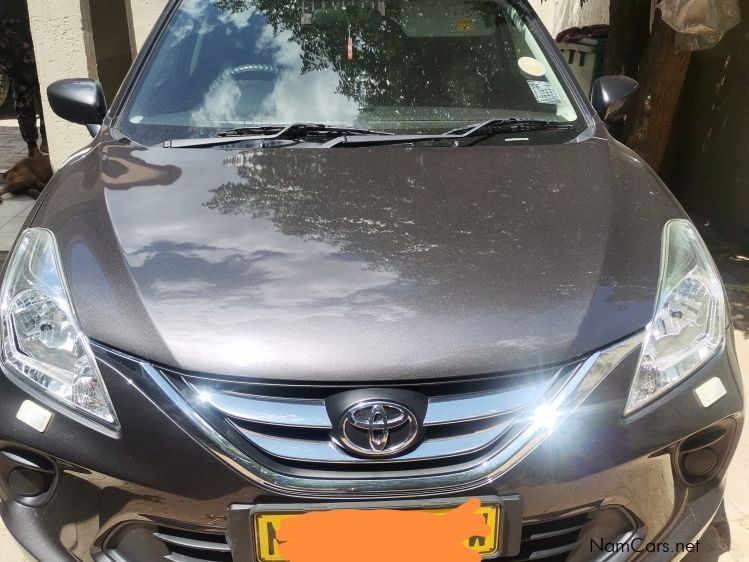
{"x":569,"y":538}
{"x":190,"y":546}
{"x":551,"y":541}
{"x":564,"y":538}
{"x":148,"y":542}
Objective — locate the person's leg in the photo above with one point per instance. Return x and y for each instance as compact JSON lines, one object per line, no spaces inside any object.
{"x":23,"y":100}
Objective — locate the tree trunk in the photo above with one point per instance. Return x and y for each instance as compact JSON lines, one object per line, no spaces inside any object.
{"x":661,"y":75}
{"x":629,"y":30}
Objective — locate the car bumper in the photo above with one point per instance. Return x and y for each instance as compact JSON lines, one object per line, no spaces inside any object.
{"x":599,"y":485}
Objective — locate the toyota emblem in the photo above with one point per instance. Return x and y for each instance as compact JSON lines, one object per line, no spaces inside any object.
{"x":377,"y":428}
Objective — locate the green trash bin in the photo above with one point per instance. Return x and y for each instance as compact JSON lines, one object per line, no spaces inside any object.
{"x":585,"y":57}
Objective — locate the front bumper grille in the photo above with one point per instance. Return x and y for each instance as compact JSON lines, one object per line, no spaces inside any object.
{"x":570,"y":537}
{"x":288,"y":426}
{"x":557,"y":539}
{"x":189,"y":546}
{"x":551,"y":541}
{"x":141,"y":542}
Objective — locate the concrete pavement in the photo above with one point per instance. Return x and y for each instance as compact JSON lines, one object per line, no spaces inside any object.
{"x":13,"y":211}
{"x":727,"y":539}
{"x":14,"y":208}
{"x":12,"y":147}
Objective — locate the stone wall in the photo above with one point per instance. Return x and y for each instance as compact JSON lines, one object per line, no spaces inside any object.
{"x":64,"y":48}
{"x":64,"y":45}
{"x":143,"y":14}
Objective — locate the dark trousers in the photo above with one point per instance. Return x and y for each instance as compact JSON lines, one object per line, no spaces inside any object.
{"x":19,"y":65}
{"x":27,"y":100}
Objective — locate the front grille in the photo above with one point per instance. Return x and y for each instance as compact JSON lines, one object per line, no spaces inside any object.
{"x":147,"y":542}
{"x":287,"y":425}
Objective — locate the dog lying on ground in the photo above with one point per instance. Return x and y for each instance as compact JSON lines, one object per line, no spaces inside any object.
{"x":29,"y":176}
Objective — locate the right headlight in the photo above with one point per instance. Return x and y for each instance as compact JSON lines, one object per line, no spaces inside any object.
{"x":689,"y":322}
{"x":43,"y":346}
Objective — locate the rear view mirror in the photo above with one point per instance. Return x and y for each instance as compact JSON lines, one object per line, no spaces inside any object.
{"x":610,"y":95}
{"x":79,"y":100}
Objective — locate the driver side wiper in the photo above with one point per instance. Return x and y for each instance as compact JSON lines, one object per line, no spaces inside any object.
{"x":272,"y":132}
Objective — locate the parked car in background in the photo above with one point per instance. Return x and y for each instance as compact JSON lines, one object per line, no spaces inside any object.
{"x":364,"y":255}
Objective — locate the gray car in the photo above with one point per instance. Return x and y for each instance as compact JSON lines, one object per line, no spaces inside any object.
{"x":359,"y":255}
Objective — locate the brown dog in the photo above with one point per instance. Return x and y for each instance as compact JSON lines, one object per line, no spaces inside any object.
{"x":29,"y":175}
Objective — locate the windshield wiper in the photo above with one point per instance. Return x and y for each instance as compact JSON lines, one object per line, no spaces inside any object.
{"x":272,"y":132}
{"x":485,"y":128}
{"x":511,"y":125}
{"x":352,"y":136}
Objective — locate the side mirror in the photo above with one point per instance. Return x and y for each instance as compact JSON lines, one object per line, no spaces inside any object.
{"x":79,"y":100}
{"x":610,"y":95}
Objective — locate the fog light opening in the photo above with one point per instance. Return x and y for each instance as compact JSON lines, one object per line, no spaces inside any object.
{"x":703,"y":455}
{"x":699,"y":463}
{"x":26,"y":476}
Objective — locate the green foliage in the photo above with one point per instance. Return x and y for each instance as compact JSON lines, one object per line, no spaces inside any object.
{"x":231,"y":6}
{"x":389,"y":67}
{"x":385,"y":222}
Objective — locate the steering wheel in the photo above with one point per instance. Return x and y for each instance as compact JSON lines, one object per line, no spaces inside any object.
{"x":250,"y":69}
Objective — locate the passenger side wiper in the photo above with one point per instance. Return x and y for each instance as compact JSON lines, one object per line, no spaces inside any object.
{"x":511,"y":125}
{"x":272,"y":132}
{"x":485,"y":128}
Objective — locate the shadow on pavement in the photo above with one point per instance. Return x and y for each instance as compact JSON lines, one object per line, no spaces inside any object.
{"x":733,"y":262}
{"x":715,"y":541}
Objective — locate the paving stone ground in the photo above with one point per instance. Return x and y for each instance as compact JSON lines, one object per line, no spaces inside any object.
{"x":12,"y":147}
{"x":14,"y":208}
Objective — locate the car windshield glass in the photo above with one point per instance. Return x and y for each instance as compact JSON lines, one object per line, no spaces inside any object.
{"x":403,"y":66}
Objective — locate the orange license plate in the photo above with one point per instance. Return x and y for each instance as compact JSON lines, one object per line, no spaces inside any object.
{"x":267,"y":523}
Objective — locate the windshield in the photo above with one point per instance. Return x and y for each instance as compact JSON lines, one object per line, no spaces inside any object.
{"x":403,"y":66}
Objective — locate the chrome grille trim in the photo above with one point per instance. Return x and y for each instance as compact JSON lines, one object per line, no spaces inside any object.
{"x":482,"y":405}
{"x":294,"y":412}
{"x":577,"y":387}
{"x":325,"y":452}
{"x":476,"y":420}
{"x":267,"y":409}
{"x":192,"y":543}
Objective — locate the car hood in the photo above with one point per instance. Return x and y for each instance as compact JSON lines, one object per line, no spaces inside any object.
{"x":368,"y":264}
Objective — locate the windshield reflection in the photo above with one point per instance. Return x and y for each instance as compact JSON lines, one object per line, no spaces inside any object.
{"x":416,"y":65}
{"x":321,"y":251}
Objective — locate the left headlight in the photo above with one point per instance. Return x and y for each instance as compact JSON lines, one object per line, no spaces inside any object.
{"x":42,"y":344}
{"x":689,"y":321}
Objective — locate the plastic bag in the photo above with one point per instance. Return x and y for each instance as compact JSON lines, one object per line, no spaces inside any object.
{"x":699,"y":24}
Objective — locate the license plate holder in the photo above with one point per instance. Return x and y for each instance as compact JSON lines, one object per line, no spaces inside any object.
{"x":243,"y":531}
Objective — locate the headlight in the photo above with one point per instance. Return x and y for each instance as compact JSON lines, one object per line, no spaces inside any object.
{"x":41,"y":341}
{"x":689,"y":322}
